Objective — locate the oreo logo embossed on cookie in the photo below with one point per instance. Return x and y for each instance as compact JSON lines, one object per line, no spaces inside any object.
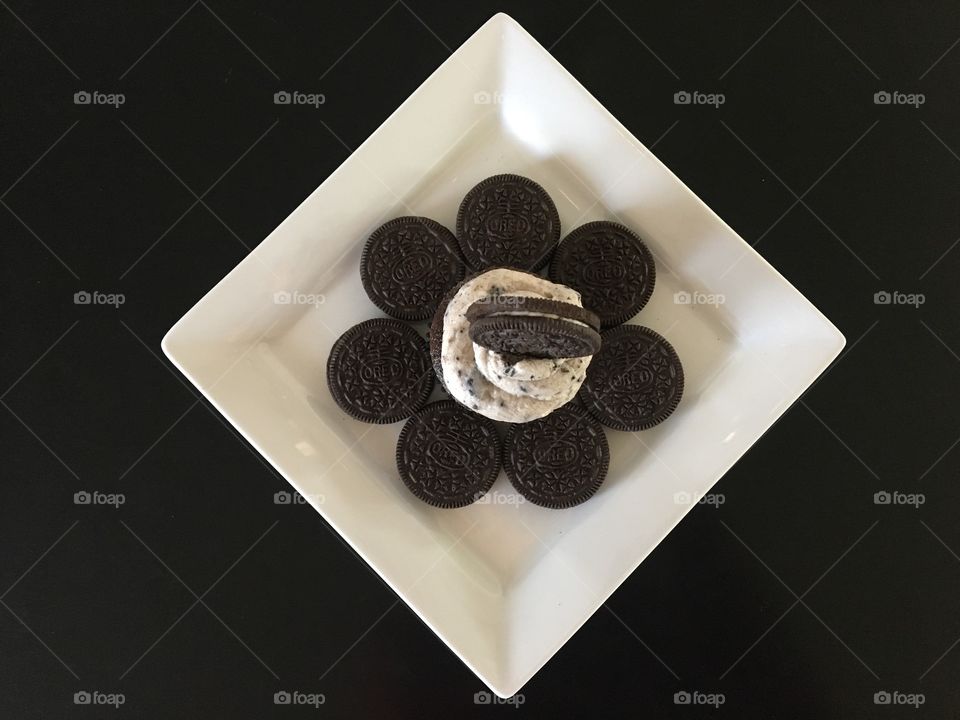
{"x":557,"y":461}
{"x":611,"y":268}
{"x":380,"y":371}
{"x":635,"y":381}
{"x":447,"y":456}
{"x":407,"y":266}
{"x":507,"y":220}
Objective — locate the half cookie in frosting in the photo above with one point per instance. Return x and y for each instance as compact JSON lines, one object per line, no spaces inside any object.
{"x":506,"y":386}
{"x":533,"y":327}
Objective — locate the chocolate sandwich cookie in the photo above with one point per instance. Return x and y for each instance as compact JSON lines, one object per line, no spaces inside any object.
{"x":507,"y":220}
{"x":379,"y":371}
{"x":610,"y":266}
{"x":635,"y":381}
{"x":521,"y":305}
{"x":407,"y":266}
{"x":557,"y":461}
{"x":447,"y":456}
{"x":536,"y":337}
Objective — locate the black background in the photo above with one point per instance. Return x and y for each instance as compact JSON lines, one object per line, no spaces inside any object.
{"x":734,"y":601}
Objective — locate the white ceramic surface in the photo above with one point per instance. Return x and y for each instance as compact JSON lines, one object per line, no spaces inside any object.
{"x":504,"y":585}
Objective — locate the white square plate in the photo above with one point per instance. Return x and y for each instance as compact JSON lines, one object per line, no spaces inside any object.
{"x":504,"y":585}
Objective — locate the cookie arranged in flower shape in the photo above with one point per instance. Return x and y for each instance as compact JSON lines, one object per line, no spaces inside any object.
{"x":611,"y":268}
{"x":408,"y":265}
{"x":507,"y":220}
{"x":506,"y":344}
{"x":447,"y":456}
{"x":558,"y":461}
{"x":635,"y":381}
{"x":380,"y":371}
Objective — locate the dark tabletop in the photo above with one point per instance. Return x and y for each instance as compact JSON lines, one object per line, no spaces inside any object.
{"x":800,"y":596}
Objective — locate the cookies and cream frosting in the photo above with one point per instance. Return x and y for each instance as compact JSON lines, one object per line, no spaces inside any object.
{"x":500,"y":387}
